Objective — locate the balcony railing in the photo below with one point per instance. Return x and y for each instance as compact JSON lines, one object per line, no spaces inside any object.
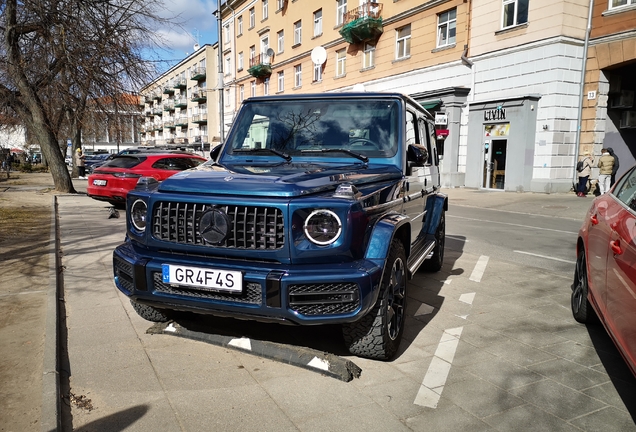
{"x":180,"y":103}
{"x":157,"y":111}
{"x":200,"y":118}
{"x":181,"y":140}
{"x":168,"y":123}
{"x":199,"y":96}
{"x":148,"y":98}
{"x":197,"y":73}
{"x":168,"y":106}
{"x":260,"y":66}
{"x":180,"y":83}
{"x":156,"y":96}
{"x":181,"y":121}
{"x":169,"y":89}
{"x":362,"y":24}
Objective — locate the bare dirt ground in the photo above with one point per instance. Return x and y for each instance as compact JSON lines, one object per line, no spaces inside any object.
{"x":25,"y":224}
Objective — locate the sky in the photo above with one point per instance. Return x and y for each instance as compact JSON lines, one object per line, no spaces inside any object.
{"x":199,"y":26}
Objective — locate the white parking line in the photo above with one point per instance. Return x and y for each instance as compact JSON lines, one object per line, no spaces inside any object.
{"x":546,"y":257}
{"x":424,"y":309}
{"x":467,"y":298}
{"x":479,"y":269}
{"x":515,"y":225}
{"x":437,"y":373}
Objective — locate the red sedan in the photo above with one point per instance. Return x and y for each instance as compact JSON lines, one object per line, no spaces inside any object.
{"x":112,"y":181}
{"x":605,"y":276}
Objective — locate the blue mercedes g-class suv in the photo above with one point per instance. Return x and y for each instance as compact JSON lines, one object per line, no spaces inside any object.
{"x":316,"y":209}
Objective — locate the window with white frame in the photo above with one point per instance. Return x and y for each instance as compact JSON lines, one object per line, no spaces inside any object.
{"x":264,"y":44}
{"x":266,"y":86}
{"x":514,"y":12}
{"x":281,"y":81}
{"x":252,"y":18}
{"x":298,"y":32}
{"x":280,"y":4}
{"x":341,"y":66}
{"x":226,"y":33}
{"x":281,"y":40}
{"x":228,"y":64}
{"x":341,"y":10}
{"x":619,"y":3}
{"x":265,"y":9}
{"x":298,"y":75}
{"x":403,"y":42}
{"x":368,"y":56}
{"x":446,"y":28}
{"x":252,"y":54}
{"x":317,"y":72}
{"x":239,"y":25}
{"x":252,"y":88}
{"x":239,"y":61}
{"x":318,"y":22}
{"x":241,"y":93}
{"x":227,"y":97}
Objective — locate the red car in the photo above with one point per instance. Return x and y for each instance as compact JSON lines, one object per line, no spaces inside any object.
{"x":605,"y":275}
{"x":112,"y":180}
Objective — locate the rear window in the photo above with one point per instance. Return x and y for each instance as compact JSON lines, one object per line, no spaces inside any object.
{"x":177,"y":164}
{"x":124,"y":161}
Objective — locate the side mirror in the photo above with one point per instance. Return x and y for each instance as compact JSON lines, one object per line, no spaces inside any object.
{"x":215,"y":152}
{"x":417,"y":154}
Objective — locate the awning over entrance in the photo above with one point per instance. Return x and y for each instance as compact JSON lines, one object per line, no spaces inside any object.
{"x":431,"y":104}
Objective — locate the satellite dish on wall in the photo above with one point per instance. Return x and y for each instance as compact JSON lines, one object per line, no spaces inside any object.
{"x":196,"y":46}
{"x":270,"y":52}
{"x":318,"y":55}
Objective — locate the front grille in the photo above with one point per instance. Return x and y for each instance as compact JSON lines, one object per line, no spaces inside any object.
{"x":258,"y":228}
{"x":324,"y":299}
{"x":251,"y":294}
{"x":124,"y":272}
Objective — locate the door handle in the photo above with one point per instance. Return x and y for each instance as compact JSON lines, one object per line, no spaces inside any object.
{"x":594,"y":219}
{"x":616,"y":247}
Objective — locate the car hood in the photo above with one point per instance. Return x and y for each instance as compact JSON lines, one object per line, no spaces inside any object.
{"x":282,"y":180}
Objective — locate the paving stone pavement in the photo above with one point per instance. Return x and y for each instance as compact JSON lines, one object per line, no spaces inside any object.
{"x":513,"y":357}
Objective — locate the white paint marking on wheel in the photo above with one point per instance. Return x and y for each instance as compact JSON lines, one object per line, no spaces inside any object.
{"x":319,"y":364}
{"x":243,"y":343}
{"x":546,"y":257}
{"x":437,"y":373}
{"x":467,"y":298}
{"x":424,"y":309}
{"x":171,"y":328}
{"x":479,"y":269}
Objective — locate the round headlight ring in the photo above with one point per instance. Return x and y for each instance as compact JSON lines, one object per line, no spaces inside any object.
{"x":138,"y":213}
{"x":322,"y":227}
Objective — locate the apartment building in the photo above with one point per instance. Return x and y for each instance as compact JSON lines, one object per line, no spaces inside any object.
{"x":609,"y":111}
{"x":109,"y":129}
{"x":179,"y":106}
{"x":503,"y":76}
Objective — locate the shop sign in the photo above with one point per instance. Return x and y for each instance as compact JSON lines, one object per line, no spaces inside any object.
{"x":495,"y":114}
{"x":441,"y":119}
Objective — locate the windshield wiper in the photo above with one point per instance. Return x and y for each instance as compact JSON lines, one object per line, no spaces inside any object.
{"x":266,"y":150}
{"x":362,"y":157}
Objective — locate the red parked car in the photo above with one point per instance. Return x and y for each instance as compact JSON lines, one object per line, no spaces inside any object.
{"x":112,"y":180}
{"x":605,"y":275}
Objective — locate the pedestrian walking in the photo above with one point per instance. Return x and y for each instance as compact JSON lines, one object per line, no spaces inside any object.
{"x":9,"y":162}
{"x":584,"y":169}
{"x":615,"y":167}
{"x":605,"y":166}
{"x":79,"y":161}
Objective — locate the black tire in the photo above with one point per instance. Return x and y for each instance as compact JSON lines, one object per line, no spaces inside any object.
{"x":435,"y":263}
{"x":378,"y":334}
{"x":581,"y":309}
{"x":149,"y":313}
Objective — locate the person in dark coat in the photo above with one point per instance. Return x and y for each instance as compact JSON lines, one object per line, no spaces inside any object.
{"x":615,"y":167}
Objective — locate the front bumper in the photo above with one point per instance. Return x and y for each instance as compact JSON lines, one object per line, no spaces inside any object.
{"x":307,"y":294}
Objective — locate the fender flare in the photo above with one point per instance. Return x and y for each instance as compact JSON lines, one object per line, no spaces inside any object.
{"x":382,"y":235}
{"x":435,"y":206}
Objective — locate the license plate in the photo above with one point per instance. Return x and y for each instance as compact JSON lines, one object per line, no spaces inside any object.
{"x":203,"y":278}
{"x":99,"y":182}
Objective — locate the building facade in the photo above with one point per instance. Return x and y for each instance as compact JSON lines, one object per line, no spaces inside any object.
{"x":504,"y":75}
{"x":180,"y":107}
{"x":609,"y":109}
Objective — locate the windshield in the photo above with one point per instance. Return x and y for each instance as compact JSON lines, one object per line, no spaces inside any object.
{"x":302,"y":128}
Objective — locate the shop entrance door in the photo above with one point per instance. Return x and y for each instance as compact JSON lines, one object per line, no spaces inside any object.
{"x":495,"y":164}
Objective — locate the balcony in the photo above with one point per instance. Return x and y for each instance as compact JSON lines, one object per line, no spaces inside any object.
{"x":200,"y":118}
{"x":158,"y":127}
{"x":157,"y":111}
{"x":197,"y":73}
{"x":148,"y":98}
{"x":169,"y":89}
{"x":156,"y":96}
{"x":180,"y":140}
{"x":260,"y":66}
{"x":181,"y":121}
{"x":362,"y":24}
{"x":169,"y":140}
{"x":180,"y":103}
{"x":199,"y":96}
{"x":169,"y":123}
{"x":148,"y":112}
{"x":168,"y":105}
{"x":180,"y":83}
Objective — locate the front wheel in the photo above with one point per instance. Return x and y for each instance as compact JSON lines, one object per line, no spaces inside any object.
{"x":581,"y":308}
{"x":377,"y":335}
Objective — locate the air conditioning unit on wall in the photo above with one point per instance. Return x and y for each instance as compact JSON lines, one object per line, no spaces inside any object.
{"x":628,"y":119}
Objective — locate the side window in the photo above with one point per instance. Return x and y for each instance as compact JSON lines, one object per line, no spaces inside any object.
{"x":410,"y":129}
{"x":626,"y":190}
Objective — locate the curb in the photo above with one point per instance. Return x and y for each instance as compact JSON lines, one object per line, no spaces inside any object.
{"x":317,"y":361}
{"x":50,"y":419}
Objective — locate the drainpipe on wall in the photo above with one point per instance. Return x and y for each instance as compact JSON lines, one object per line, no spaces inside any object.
{"x":466,"y":61}
{"x":220,"y":88}
{"x":577,"y":144}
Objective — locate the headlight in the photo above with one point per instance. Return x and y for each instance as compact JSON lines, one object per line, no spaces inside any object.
{"x":138,"y":212}
{"x":322,"y":227}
